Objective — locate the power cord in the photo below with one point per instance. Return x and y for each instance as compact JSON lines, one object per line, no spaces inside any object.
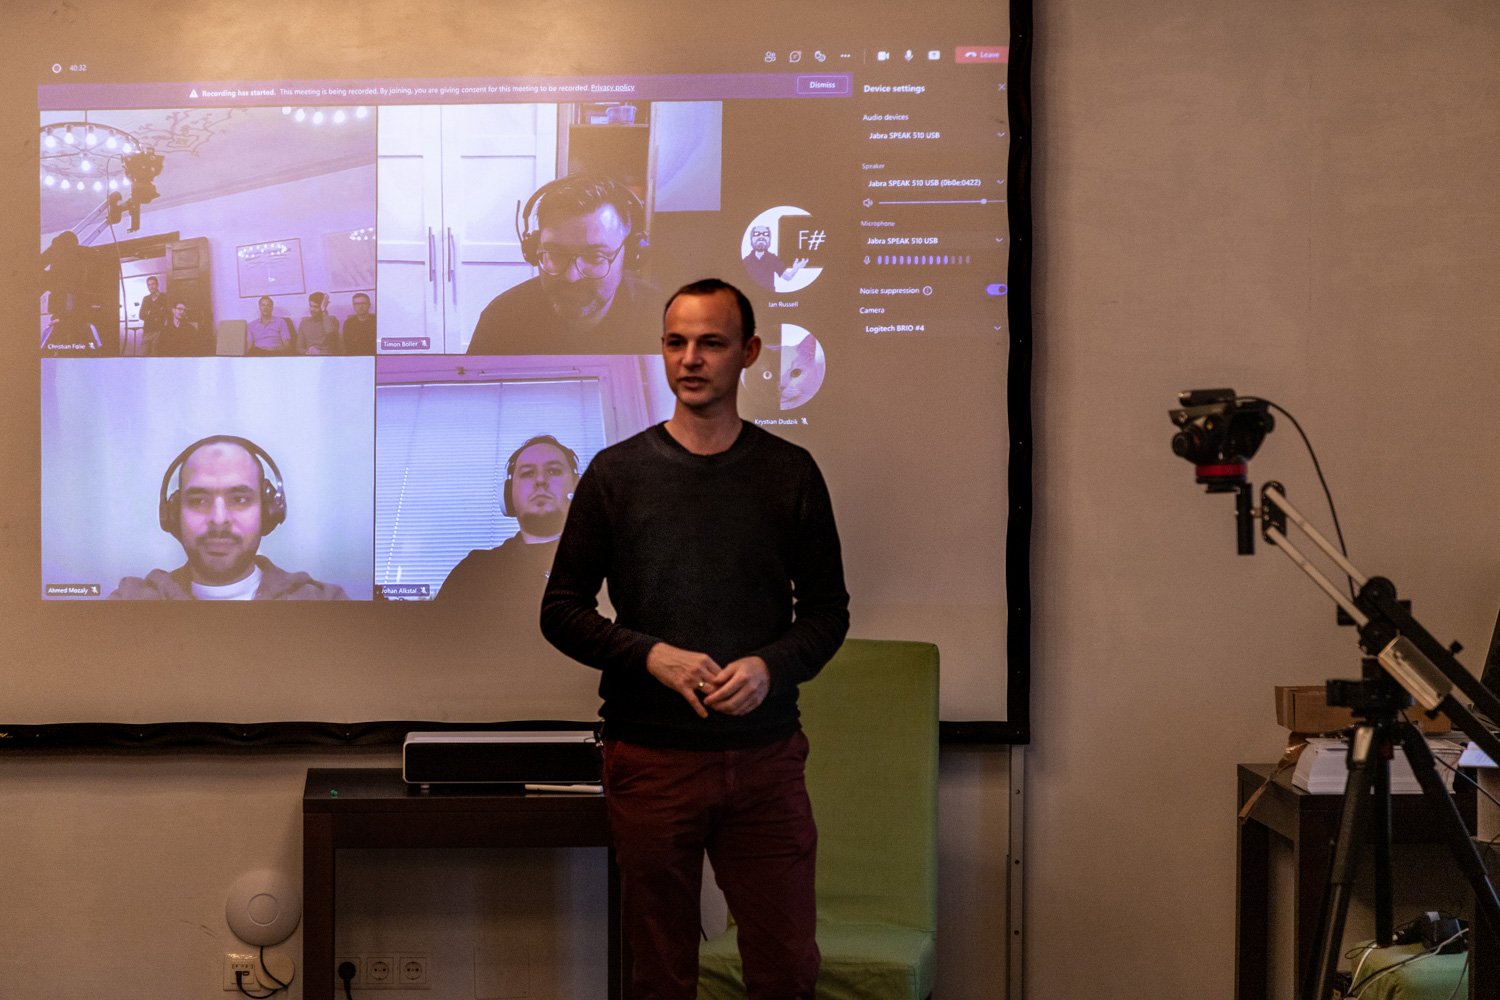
{"x":346,"y":974}
{"x":267,"y":969}
{"x":239,"y":980}
{"x":1317,"y":467}
{"x":1358,"y":989}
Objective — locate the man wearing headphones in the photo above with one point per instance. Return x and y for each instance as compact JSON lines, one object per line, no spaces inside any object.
{"x":224,"y":504}
{"x":589,"y":235}
{"x":539,"y":481}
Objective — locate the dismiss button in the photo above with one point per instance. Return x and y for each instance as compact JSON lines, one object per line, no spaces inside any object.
{"x":832,"y":85}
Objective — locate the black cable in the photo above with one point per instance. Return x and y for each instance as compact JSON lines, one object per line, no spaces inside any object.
{"x":120,"y":321}
{"x":279,"y":984}
{"x":239,"y":981}
{"x":347,"y":972}
{"x":1318,"y":468}
{"x":1358,"y":989}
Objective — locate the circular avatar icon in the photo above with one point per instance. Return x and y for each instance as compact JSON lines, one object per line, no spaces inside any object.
{"x":761,"y":241}
{"x":787,"y":374}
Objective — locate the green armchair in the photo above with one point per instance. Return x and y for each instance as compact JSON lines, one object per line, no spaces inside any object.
{"x":871,"y":718}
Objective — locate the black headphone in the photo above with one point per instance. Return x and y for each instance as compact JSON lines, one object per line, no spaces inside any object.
{"x":272,"y":492}
{"x":506,"y":502}
{"x":587,"y":193}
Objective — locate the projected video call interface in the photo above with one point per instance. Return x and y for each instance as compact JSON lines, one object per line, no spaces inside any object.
{"x":356,"y":340}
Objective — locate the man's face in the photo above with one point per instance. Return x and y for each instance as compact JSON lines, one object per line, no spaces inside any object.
{"x":265,"y":310}
{"x":151,"y":285}
{"x":315,"y":307}
{"x":704,"y":350}
{"x":579,"y":300}
{"x":361,"y":305}
{"x":219,"y":501}
{"x":541,"y":489}
{"x":760,"y":238}
{"x":179,"y":312}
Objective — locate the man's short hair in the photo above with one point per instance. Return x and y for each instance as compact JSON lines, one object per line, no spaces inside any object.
{"x":712,"y":286}
{"x":581,"y":194}
{"x":317,"y":297}
{"x":359,"y":295}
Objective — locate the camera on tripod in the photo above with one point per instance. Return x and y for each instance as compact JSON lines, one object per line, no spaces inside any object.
{"x":1219,"y":433}
{"x":142,"y":169}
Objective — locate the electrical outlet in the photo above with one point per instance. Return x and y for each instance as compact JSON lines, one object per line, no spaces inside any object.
{"x":411,"y":969}
{"x":380,"y":971}
{"x":359,"y":969}
{"x":238,"y":962}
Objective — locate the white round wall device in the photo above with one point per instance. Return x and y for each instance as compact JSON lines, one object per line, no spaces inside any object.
{"x":263,"y":907}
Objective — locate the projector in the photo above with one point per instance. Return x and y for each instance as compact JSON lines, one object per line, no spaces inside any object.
{"x":526,"y":758}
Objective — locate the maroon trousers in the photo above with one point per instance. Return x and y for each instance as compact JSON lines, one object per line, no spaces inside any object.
{"x":748,"y":809}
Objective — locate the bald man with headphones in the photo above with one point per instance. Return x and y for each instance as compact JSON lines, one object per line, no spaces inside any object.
{"x":586,"y":236}
{"x":540,"y":478}
{"x":229,"y":495}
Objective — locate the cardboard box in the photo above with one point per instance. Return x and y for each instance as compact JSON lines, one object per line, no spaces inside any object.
{"x":1304,"y":708}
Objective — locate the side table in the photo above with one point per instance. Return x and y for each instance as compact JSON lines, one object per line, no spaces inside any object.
{"x":1310,"y":823}
{"x":373,"y":808}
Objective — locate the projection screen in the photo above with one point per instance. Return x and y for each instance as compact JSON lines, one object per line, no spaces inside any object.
{"x":329,"y":249}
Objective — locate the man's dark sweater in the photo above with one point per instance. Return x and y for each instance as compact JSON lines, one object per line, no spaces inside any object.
{"x":733,"y":555}
{"x":511,"y":575}
{"x":521,"y":320}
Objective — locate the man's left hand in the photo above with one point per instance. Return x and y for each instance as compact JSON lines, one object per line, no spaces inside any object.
{"x":740,"y":687}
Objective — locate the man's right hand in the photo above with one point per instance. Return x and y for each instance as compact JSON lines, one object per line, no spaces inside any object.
{"x":690,"y":674}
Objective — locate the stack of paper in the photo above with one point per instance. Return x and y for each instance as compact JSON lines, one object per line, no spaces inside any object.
{"x":1323,"y":767}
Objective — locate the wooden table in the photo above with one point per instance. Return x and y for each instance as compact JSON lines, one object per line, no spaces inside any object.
{"x":1311,"y":823}
{"x":373,"y":808}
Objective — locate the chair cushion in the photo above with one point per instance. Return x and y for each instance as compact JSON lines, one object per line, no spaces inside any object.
{"x":1404,"y":972}
{"x":860,"y":962}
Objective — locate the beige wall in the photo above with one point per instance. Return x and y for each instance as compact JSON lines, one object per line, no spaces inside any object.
{"x":1297,"y":200}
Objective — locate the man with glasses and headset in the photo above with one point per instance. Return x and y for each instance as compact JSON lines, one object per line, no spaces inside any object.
{"x":585,"y":234}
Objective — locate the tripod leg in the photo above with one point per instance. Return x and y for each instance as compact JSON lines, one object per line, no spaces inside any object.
{"x":1363,"y":755}
{"x":1460,"y":844}
{"x":1380,"y":807}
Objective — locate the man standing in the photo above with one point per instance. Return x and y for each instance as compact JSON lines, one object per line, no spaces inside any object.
{"x":318,"y":333}
{"x":223,"y":506}
{"x":540,"y":478}
{"x":359,"y":329}
{"x":583,"y":301}
{"x":153,"y":315}
{"x":723,"y":563}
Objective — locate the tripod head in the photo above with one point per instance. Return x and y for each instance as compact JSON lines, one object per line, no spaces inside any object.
{"x":1219,"y":432}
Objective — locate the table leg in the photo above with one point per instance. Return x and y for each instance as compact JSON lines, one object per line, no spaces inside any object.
{"x":1252,"y":925}
{"x":317,"y":906}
